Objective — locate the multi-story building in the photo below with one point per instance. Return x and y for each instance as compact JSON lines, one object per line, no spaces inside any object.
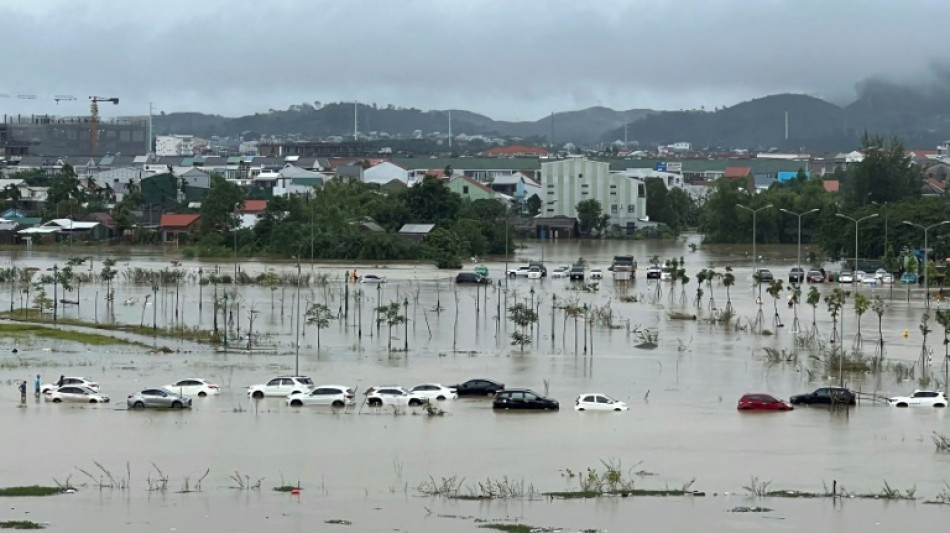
{"x":567,"y":182}
{"x":174,"y":145}
{"x":52,"y":136}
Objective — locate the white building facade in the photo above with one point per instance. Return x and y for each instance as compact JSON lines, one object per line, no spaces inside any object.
{"x":174,"y":145}
{"x":567,"y":182}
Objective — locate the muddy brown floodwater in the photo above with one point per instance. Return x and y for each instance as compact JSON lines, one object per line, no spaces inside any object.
{"x":364,"y":466}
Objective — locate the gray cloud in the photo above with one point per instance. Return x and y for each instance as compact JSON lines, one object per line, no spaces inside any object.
{"x":511,"y":60}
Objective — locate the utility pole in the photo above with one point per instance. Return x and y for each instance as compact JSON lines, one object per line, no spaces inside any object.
{"x":356,"y":112}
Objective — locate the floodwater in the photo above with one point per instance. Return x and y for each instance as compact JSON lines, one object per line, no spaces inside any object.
{"x":364,"y":466}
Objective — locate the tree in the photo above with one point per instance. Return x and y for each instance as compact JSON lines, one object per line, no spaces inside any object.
{"x":729,"y":279}
{"x":835,"y":302}
{"x":442,"y":246}
{"x":317,"y":315}
{"x":108,"y":274}
{"x":533,"y":205}
{"x":523,"y":316}
{"x":432,"y":201}
{"x":879,"y":307}
{"x":589,"y":213}
{"x":861,"y":306}
{"x":813,"y":298}
{"x":390,"y":315}
{"x":219,"y":206}
{"x":885,"y":174}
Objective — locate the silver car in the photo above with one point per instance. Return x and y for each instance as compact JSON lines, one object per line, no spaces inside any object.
{"x":158,"y":398}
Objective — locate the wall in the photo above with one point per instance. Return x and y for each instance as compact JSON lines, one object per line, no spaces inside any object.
{"x":567,"y":182}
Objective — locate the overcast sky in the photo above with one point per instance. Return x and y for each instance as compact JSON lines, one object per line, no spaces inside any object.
{"x":509,"y":59}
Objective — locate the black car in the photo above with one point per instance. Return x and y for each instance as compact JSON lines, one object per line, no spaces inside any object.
{"x":796,"y":275}
{"x":478,"y":387}
{"x":523,"y":399}
{"x":577,"y":273}
{"x":471,"y":277}
{"x":825,"y":396}
{"x":654,"y":272}
{"x":763,"y":275}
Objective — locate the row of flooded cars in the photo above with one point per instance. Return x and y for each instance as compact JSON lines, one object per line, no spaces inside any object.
{"x":300,"y":391}
{"x":837,"y":396}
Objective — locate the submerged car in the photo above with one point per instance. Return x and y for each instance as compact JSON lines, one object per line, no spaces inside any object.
{"x":846,"y":277}
{"x":518,"y":272}
{"x":825,"y":396}
{"x":478,"y":387}
{"x":796,"y":275}
{"x":920,"y":398}
{"x":654,"y":272}
{"x":75,"y":393}
{"x":763,"y":275}
{"x":762,"y":402}
{"x":76,"y":381}
{"x":577,"y":273}
{"x":161,"y":398}
{"x":281,"y":386}
{"x":194,"y":387}
{"x":372,"y":278}
{"x":883,"y":276}
{"x":816,"y":276}
{"x":523,"y":399}
{"x":333,"y":395}
{"x":471,"y":277}
{"x":908,"y":278}
{"x":596,"y":273}
{"x":391,"y":395}
{"x":433,"y":391}
{"x":560,"y":272}
{"x":534,"y":272}
{"x":592,"y":401}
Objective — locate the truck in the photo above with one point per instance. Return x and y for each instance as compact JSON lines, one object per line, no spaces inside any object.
{"x":624,"y":268}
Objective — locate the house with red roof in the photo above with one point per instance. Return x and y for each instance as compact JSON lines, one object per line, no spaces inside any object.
{"x":516,"y":150}
{"x":831,"y":186}
{"x":173,"y":226}
{"x":740,"y":174}
{"x":250,"y":211}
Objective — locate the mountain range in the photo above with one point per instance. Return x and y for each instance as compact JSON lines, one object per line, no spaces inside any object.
{"x":919,"y":116}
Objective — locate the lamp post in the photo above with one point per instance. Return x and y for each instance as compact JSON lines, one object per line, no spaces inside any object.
{"x":585,"y":329}
{"x":553,"y":310}
{"x":855,"y":269}
{"x":532,"y":298}
{"x":379,"y":291}
{"x":800,"y":215}
{"x":200,"y":273}
{"x":55,"y":281}
{"x":926,"y":254}
{"x":297,"y":319}
{"x":154,"y":305}
{"x":405,"y":316}
{"x":215,"y":300}
{"x":225,"y":320}
{"x":754,"y":212}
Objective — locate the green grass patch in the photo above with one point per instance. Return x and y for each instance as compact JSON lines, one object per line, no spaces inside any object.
{"x":286,"y":488}
{"x":510,"y":528}
{"x":32,"y":490}
{"x":20,"y":524}
{"x":93,"y":339}
{"x":184,"y":332}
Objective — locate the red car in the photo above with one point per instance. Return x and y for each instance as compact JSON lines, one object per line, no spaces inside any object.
{"x":762,"y":402}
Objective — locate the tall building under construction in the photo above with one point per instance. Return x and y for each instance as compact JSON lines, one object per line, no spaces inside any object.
{"x":54,"y":136}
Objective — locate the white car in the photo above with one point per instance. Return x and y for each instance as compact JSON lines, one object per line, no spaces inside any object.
{"x":561,"y":272}
{"x":75,"y":393}
{"x":433,"y":391}
{"x":519,"y":272}
{"x":335,"y":395}
{"x":80,"y":382}
{"x":861,"y":276}
{"x":534,"y":272}
{"x":845,"y":277}
{"x":595,"y":273}
{"x":920,"y":398}
{"x":372,"y":278}
{"x":884,"y":277}
{"x":592,"y":401}
{"x":281,"y":386}
{"x":391,"y":395}
{"x":194,"y":387}
{"x":666,"y":274}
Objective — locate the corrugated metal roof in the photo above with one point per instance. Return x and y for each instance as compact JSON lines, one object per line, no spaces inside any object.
{"x":416,"y":228}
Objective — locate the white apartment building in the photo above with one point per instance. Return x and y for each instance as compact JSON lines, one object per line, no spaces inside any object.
{"x":567,"y":182}
{"x":174,"y":145}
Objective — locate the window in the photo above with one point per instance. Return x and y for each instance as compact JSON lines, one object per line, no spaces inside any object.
{"x":631,"y":208}
{"x":580,"y":176}
{"x":613,"y":208}
{"x":588,"y":399}
{"x":585,"y":185}
{"x":641,"y":191}
{"x":274,"y":382}
{"x":603,"y":399}
{"x":465,"y":189}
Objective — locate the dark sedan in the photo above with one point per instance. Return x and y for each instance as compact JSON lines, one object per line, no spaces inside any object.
{"x":825,"y":396}
{"x":478,"y":387}
{"x":796,"y":275}
{"x":523,"y":399}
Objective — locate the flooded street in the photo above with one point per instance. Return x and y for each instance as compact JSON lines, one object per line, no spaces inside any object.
{"x":364,"y":465}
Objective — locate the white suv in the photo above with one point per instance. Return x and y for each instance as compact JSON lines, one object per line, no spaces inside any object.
{"x":920,"y":398}
{"x":392,"y":395}
{"x":281,"y":386}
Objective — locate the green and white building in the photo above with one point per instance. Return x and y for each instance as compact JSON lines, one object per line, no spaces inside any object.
{"x":567,"y":182}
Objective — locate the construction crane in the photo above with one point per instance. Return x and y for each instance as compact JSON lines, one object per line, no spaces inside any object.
{"x":94,"y":121}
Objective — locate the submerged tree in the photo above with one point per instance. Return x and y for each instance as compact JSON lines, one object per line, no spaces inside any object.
{"x":390,"y":315}
{"x":813,"y":298}
{"x":319,"y":315}
{"x":836,"y":301}
{"x":523,"y":316}
{"x":775,"y":289}
{"x":729,"y":279}
{"x":924,"y":351}
{"x":795,"y":297}
{"x":861,"y":305}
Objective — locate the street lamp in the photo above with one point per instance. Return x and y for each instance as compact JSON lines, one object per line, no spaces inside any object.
{"x":405,"y":316}
{"x":532,"y":298}
{"x":297,"y":321}
{"x":854,"y":271}
{"x":379,"y":323}
{"x":926,"y":254}
{"x":754,"y":212}
{"x":200,"y":272}
{"x":55,"y":280}
{"x":225,"y":324}
{"x":800,"y":215}
{"x":553,"y":310}
{"x":585,"y":329}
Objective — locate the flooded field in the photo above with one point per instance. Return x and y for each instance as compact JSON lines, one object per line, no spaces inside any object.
{"x":681,"y":377}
